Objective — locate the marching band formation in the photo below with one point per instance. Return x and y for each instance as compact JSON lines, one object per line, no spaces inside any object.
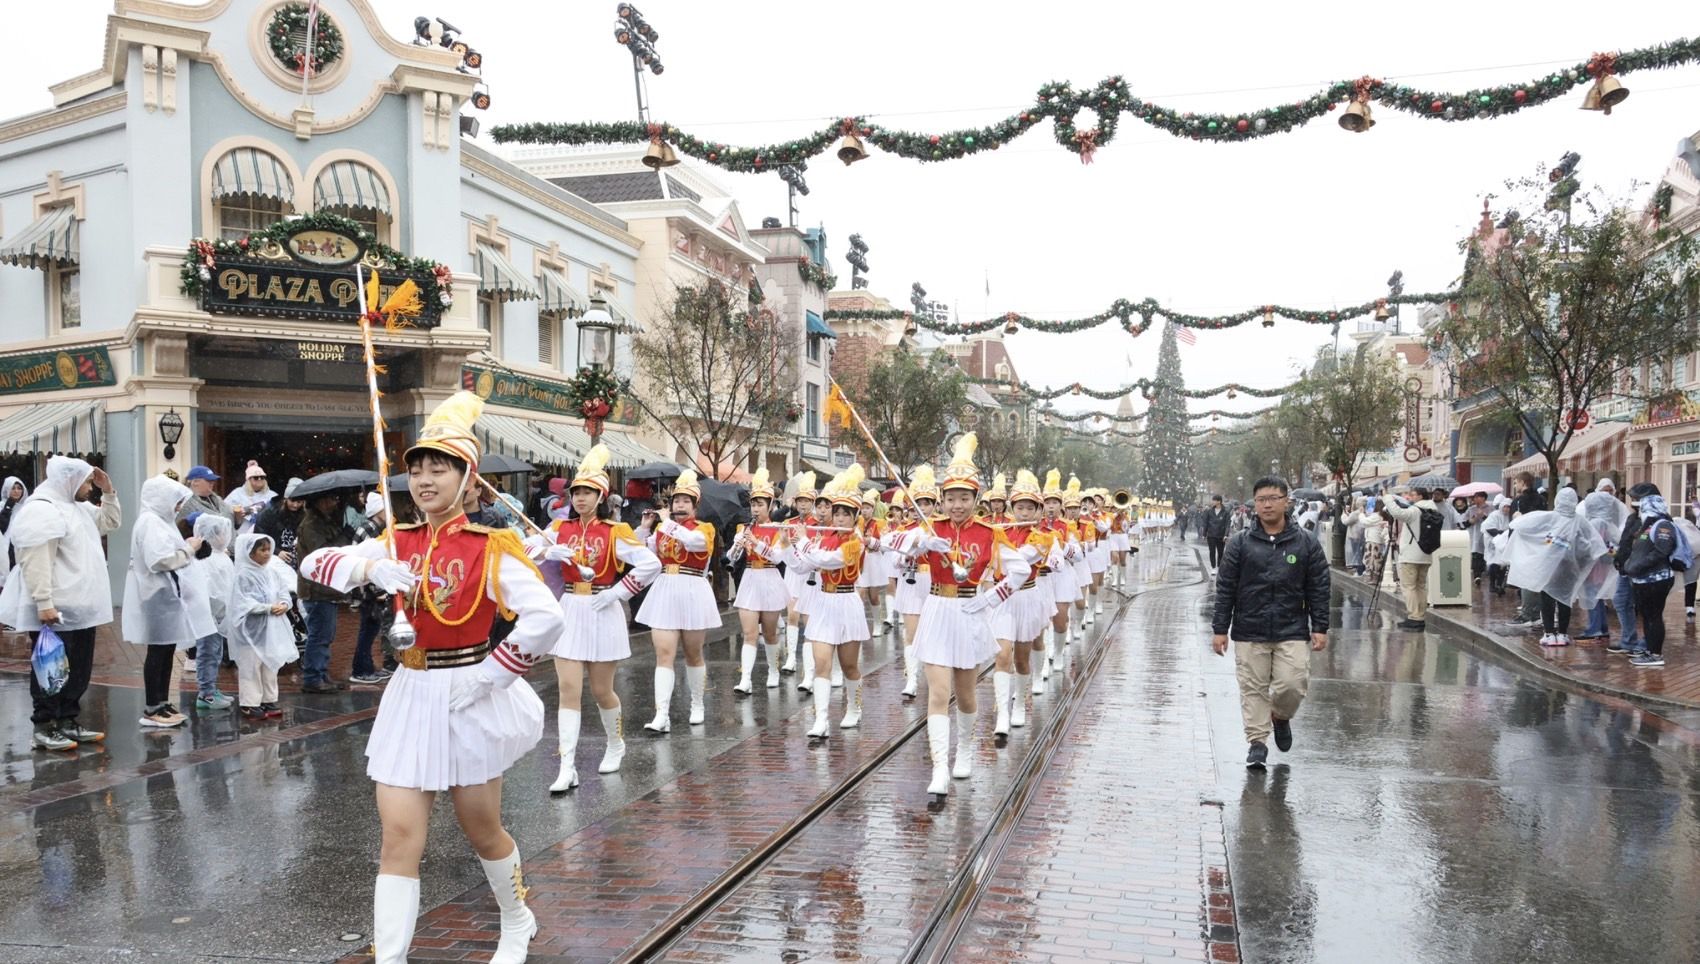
{"x":962,"y":573}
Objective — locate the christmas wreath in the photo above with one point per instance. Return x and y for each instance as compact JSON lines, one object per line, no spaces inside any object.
{"x":817,"y":275}
{"x":436,"y":282}
{"x":595,"y":392}
{"x":290,"y":23}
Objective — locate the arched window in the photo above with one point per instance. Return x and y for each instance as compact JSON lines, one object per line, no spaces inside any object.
{"x":356,"y":192}
{"x":251,"y":190}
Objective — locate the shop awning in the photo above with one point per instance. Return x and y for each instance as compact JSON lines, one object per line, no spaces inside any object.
{"x":247,"y":170}
{"x":513,"y":436}
{"x":350,"y":184}
{"x":498,"y":276}
{"x":624,"y":319}
{"x":818,"y":327}
{"x":53,"y":427}
{"x":1594,"y":449}
{"x":48,"y":240}
{"x":624,"y":452}
{"x":558,"y":295}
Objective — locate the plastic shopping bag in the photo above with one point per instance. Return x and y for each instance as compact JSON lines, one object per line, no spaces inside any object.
{"x":52,"y":667}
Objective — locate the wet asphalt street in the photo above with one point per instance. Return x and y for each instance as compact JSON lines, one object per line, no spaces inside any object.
{"x":1437,"y":807}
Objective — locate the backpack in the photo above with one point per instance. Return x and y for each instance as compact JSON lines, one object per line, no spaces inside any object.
{"x":1682,"y":556}
{"x":1428,"y":530}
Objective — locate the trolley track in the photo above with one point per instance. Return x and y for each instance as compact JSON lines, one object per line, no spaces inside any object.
{"x":943,"y":925}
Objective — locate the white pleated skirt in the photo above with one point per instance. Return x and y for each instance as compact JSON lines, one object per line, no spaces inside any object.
{"x":1099,"y":558}
{"x":679,"y":602}
{"x":872,"y":575}
{"x":912,"y":596}
{"x":1119,"y":542}
{"x":946,"y":636}
{"x":837,"y":618}
{"x":1063,"y":585}
{"x":589,"y":635}
{"x":417,"y":743}
{"x":762,"y":591}
{"x":1023,"y":616}
{"x":1082,"y":573}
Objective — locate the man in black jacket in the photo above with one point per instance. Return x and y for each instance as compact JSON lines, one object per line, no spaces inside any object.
{"x":1272,"y":595}
{"x":1216,"y":530}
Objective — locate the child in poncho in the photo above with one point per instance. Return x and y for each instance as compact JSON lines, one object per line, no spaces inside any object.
{"x":257,"y":628}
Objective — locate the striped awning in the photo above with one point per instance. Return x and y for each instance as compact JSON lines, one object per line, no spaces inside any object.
{"x":350,"y":184}
{"x":627,"y":452}
{"x":627,"y":324}
{"x":498,"y":276}
{"x":558,"y":295}
{"x":54,"y":427}
{"x":514,"y":436}
{"x":249,"y":170}
{"x":48,"y":240}
{"x":1596,"y":448}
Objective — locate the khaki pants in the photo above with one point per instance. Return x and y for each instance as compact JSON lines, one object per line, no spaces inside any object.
{"x":1273,"y":679}
{"x":256,"y":683}
{"x":1413,"y":579}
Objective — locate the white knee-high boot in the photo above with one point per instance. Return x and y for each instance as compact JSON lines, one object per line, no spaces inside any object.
{"x":395,"y":911}
{"x":1000,"y":694}
{"x":837,"y":671}
{"x":806,"y":679}
{"x":696,"y":680}
{"x":792,"y":633}
{"x":823,"y":702}
{"x":911,"y":671}
{"x":614,"y":727}
{"x":964,"y":746}
{"x":938,"y":743}
{"x":663,"y":700}
{"x":746,"y":666}
{"x":1018,"y":713}
{"x":567,"y":723}
{"x":772,"y":665}
{"x":519,"y":925}
{"x":852,"y":705}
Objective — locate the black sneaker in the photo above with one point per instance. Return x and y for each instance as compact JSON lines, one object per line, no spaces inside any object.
{"x":1255,"y":756}
{"x":1283,"y":734}
{"x":1647,"y":661}
{"x":1616,"y":646}
{"x":253,"y":714}
{"x":319,"y":687}
{"x":366,"y":679}
{"x":1416,"y":625}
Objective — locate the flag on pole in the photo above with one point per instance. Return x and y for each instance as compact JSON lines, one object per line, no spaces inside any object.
{"x":1185,"y":334}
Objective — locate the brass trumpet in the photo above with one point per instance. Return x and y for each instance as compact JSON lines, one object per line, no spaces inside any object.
{"x":1122,"y":499}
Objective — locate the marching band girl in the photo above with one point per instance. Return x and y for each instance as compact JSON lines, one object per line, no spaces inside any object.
{"x":1078,"y":531}
{"x":1064,"y":587}
{"x":680,"y":606}
{"x":1098,"y":560}
{"x":837,"y":624}
{"x":954,"y":634}
{"x":1022,"y":620}
{"x":591,"y":550}
{"x":801,"y":587}
{"x":762,"y":597}
{"x":871,"y":583}
{"x":455,"y":716}
{"x":915,"y":580}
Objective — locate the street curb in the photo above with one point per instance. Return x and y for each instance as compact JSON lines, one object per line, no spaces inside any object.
{"x":1496,"y":645}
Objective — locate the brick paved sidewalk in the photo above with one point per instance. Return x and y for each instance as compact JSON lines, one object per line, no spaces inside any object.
{"x":1586,"y":663}
{"x":1119,"y":857}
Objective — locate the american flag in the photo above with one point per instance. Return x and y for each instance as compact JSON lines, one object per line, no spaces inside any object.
{"x":1185,"y":334}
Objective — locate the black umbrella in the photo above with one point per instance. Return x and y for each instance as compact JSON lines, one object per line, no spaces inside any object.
{"x":335,"y":482}
{"x":656,"y":470}
{"x":1308,"y":495}
{"x":725,"y":505}
{"x":398,"y":483}
{"x":1428,"y":483}
{"x":498,"y":464}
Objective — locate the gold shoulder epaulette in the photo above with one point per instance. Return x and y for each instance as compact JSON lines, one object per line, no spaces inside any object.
{"x":407,"y":525}
{"x":481,"y":528}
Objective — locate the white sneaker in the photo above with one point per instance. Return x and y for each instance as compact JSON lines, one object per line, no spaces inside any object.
{"x":1550,"y":639}
{"x":1563,"y":639}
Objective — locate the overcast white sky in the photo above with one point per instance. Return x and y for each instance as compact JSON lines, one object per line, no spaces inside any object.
{"x":1316,"y":218}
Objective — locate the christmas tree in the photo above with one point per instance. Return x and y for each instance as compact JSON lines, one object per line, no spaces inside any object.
{"x":1168,"y":444}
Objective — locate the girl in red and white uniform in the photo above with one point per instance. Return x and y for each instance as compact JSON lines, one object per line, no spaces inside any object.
{"x":587,"y":551}
{"x":1023,"y":619}
{"x":837,"y":624}
{"x":762,"y":597}
{"x":800,"y":584}
{"x":870,"y":585}
{"x":1098,"y":558}
{"x":954,"y":635}
{"x":680,"y":606}
{"x":456,"y":714}
{"x":914,"y":580}
{"x":1081,"y":545}
{"x":1119,"y":546}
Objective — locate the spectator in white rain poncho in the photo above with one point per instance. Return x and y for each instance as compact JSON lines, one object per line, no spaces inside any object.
{"x":1607,"y":515}
{"x":257,"y":628}
{"x":1496,"y":536}
{"x":157,"y":601}
{"x":1552,"y":552}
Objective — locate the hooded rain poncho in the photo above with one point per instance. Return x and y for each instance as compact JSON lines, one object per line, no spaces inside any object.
{"x":6,"y":543}
{"x":1554,"y":550}
{"x":217,"y":569}
{"x":156,"y":602}
{"x":252,"y":633}
{"x":81,"y":590}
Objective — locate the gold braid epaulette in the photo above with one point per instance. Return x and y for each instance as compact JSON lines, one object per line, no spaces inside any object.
{"x":503,"y":541}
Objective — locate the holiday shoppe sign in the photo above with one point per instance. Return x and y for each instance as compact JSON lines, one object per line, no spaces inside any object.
{"x":52,"y":371}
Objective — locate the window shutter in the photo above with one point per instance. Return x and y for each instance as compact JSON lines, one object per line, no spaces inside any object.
{"x":547,"y":335}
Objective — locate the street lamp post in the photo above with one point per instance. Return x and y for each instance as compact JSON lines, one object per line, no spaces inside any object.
{"x":634,"y":33}
{"x":596,"y":351}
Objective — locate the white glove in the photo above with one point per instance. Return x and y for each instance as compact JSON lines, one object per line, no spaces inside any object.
{"x":604,"y":600}
{"x":977,"y":604}
{"x":469,"y":689}
{"x":538,"y":543}
{"x":390,"y":575}
{"x":935,"y":544}
{"x":1030,"y":553}
{"x":559,"y":553}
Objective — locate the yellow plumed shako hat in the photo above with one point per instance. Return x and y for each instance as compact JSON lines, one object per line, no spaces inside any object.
{"x":687,"y":485}
{"x":1071,"y":495}
{"x":1053,"y":485}
{"x":805,"y":486}
{"x":997,"y":493}
{"x":593,"y":470}
{"x":1026,"y":487}
{"x":961,"y":473}
{"x":924,"y":485}
{"x":845,"y":489}
{"x":448,"y":429}
{"x":760,"y":485}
